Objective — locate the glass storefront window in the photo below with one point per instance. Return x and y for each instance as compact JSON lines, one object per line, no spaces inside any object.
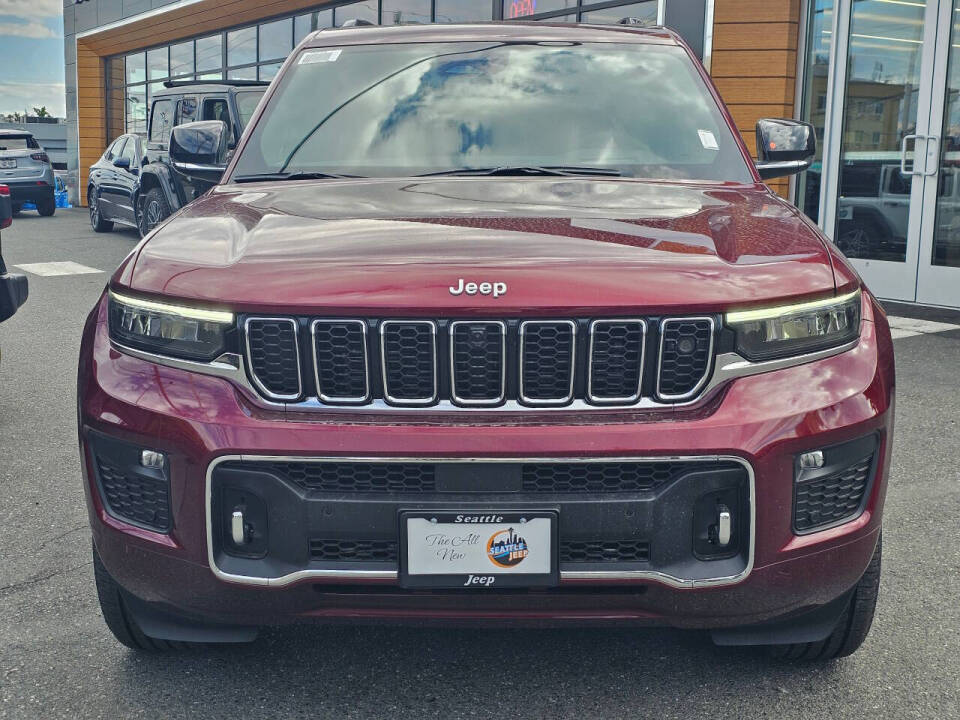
{"x":157,"y":67}
{"x":181,"y":59}
{"x":643,"y":10}
{"x":880,"y":107}
{"x":242,"y":46}
{"x":946,"y":228}
{"x":394,"y":12}
{"x":521,"y":8}
{"x":209,"y":53}
{"x":325,"y":19}
{"x":211,"y":76}
{"x":452,"y":11}
{"x":275,"y":40}
{"x":135,"y":109}
{"x":248,"y":73}
{"x":136,"y":68}
{"x":268,"y":72}
{"x":302,"y":25}
{"x":813,"y":107}
{"x":356,"y":11}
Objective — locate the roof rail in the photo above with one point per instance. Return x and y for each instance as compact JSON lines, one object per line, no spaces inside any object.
{"x":238,"y":83}
{"x":357,"y":22}
{"x":642,"y":22}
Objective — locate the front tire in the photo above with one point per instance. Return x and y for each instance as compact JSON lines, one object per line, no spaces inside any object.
{"x":96,"y":219}
{"x":152,"y":210}
{"x":851,"y":630}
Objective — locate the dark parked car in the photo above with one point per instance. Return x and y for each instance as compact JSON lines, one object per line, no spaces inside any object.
{"x":134,"y":184}
{"x":489,"y":323}
{"x":13,"y":287}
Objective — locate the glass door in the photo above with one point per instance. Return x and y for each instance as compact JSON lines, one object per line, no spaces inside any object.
{"x":871,"y":204}
{"x":938,"y":272}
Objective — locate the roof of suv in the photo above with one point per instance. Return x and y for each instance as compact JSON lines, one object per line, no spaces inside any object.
{"x":192,"y":87}
{"x":12,"y":132}
{"x":504,"y":31}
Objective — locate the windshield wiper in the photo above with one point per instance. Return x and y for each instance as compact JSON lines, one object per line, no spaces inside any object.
{"x":262,"y":177}
{"x":529,"y":171}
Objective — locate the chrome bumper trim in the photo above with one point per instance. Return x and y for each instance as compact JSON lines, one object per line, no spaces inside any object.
{"x":392,"y":575}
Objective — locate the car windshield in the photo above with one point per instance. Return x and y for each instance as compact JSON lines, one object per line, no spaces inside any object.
{"x":631,"y":109}
{"x":17,"y":142}
{"x":246,"y":103}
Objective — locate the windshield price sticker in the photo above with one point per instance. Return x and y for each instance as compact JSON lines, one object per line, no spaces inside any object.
{"x":319,"y":56}
{"x":708,"y":140}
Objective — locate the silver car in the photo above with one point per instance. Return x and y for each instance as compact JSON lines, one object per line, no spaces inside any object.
{"x":25,"y":168}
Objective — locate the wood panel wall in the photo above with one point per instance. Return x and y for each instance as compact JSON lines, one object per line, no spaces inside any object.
{"x":754,"y":62}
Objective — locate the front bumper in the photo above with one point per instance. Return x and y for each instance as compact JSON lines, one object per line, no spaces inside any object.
{"x":760,"y":423}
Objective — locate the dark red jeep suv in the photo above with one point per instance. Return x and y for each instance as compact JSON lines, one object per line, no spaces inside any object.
{"x":488,"y":323}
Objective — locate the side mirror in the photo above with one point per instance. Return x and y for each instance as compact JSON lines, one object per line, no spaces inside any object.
{"x":784,"y":147}
{"x":199,"y":149}
{"x":122,"y":163}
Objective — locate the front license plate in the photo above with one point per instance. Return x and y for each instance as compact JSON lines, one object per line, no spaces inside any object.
{"x":478,"y":550}
{"x":7,"y":164}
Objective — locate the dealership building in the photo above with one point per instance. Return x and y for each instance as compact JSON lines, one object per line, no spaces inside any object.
{"x":879,"y":79}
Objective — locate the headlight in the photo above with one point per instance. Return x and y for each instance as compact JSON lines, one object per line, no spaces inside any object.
{"x":779,"y":332}
{"x":175,"y":330}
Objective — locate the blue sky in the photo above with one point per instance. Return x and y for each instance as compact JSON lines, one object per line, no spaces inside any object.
{"x":31,"y":55}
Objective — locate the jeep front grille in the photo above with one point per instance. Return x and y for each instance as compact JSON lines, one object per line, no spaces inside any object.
{"x":480,"y":363}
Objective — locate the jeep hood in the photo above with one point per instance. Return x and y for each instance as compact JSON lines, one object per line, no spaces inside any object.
{"x":560,"y":244}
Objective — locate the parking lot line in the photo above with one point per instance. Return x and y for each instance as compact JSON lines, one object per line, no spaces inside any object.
{"x":53,"y":269}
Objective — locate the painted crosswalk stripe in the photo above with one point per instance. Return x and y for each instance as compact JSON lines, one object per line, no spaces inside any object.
{"x":901,"y":327}
{"x":54,"y":269}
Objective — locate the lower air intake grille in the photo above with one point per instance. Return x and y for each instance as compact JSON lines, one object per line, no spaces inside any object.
{"x":138,"y":499}
{"x":332,"y":550}
{"x":353,"y":476}
{"x":600,"y":477}
{"x":541,"y":478}
{"x":686,"y":351}
{"x":604,"y":551}
{"x":831,"y":499}
{"x":274,"y":356}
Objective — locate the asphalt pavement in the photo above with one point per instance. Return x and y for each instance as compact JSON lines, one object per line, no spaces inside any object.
{"x":57,"y":658}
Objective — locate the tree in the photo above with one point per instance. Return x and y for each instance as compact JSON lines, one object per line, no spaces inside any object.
{"x":41,"y":111}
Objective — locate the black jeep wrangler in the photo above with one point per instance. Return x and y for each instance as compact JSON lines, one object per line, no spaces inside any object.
{"x":162,"y":188}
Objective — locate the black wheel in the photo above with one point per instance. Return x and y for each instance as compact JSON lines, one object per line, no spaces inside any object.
{"x":851,"y":630}
{"x":47,"y":208}
{"x":96,"y":219}
{"x":152,"y":209}
{"x":121,"y":623}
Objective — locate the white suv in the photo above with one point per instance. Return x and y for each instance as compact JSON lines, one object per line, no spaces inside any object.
{"x":25,"y":168}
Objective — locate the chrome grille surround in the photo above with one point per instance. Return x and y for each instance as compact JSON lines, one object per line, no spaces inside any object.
{"x":333,"y":399}
{"x":526,"y":399}
{"x":384,"y":366}
{"x":664,"y":324}
{"x":591,"y":395}
{"x":477,"y":402}
{"x":261,"y":386}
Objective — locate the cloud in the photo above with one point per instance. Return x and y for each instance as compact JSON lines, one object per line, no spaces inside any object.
{"x":27,"y":30}
{"x":20,"y":96}
{"x":32,"y":9}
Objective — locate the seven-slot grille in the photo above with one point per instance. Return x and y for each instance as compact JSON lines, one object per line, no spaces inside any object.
{"x":480,"y":363}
